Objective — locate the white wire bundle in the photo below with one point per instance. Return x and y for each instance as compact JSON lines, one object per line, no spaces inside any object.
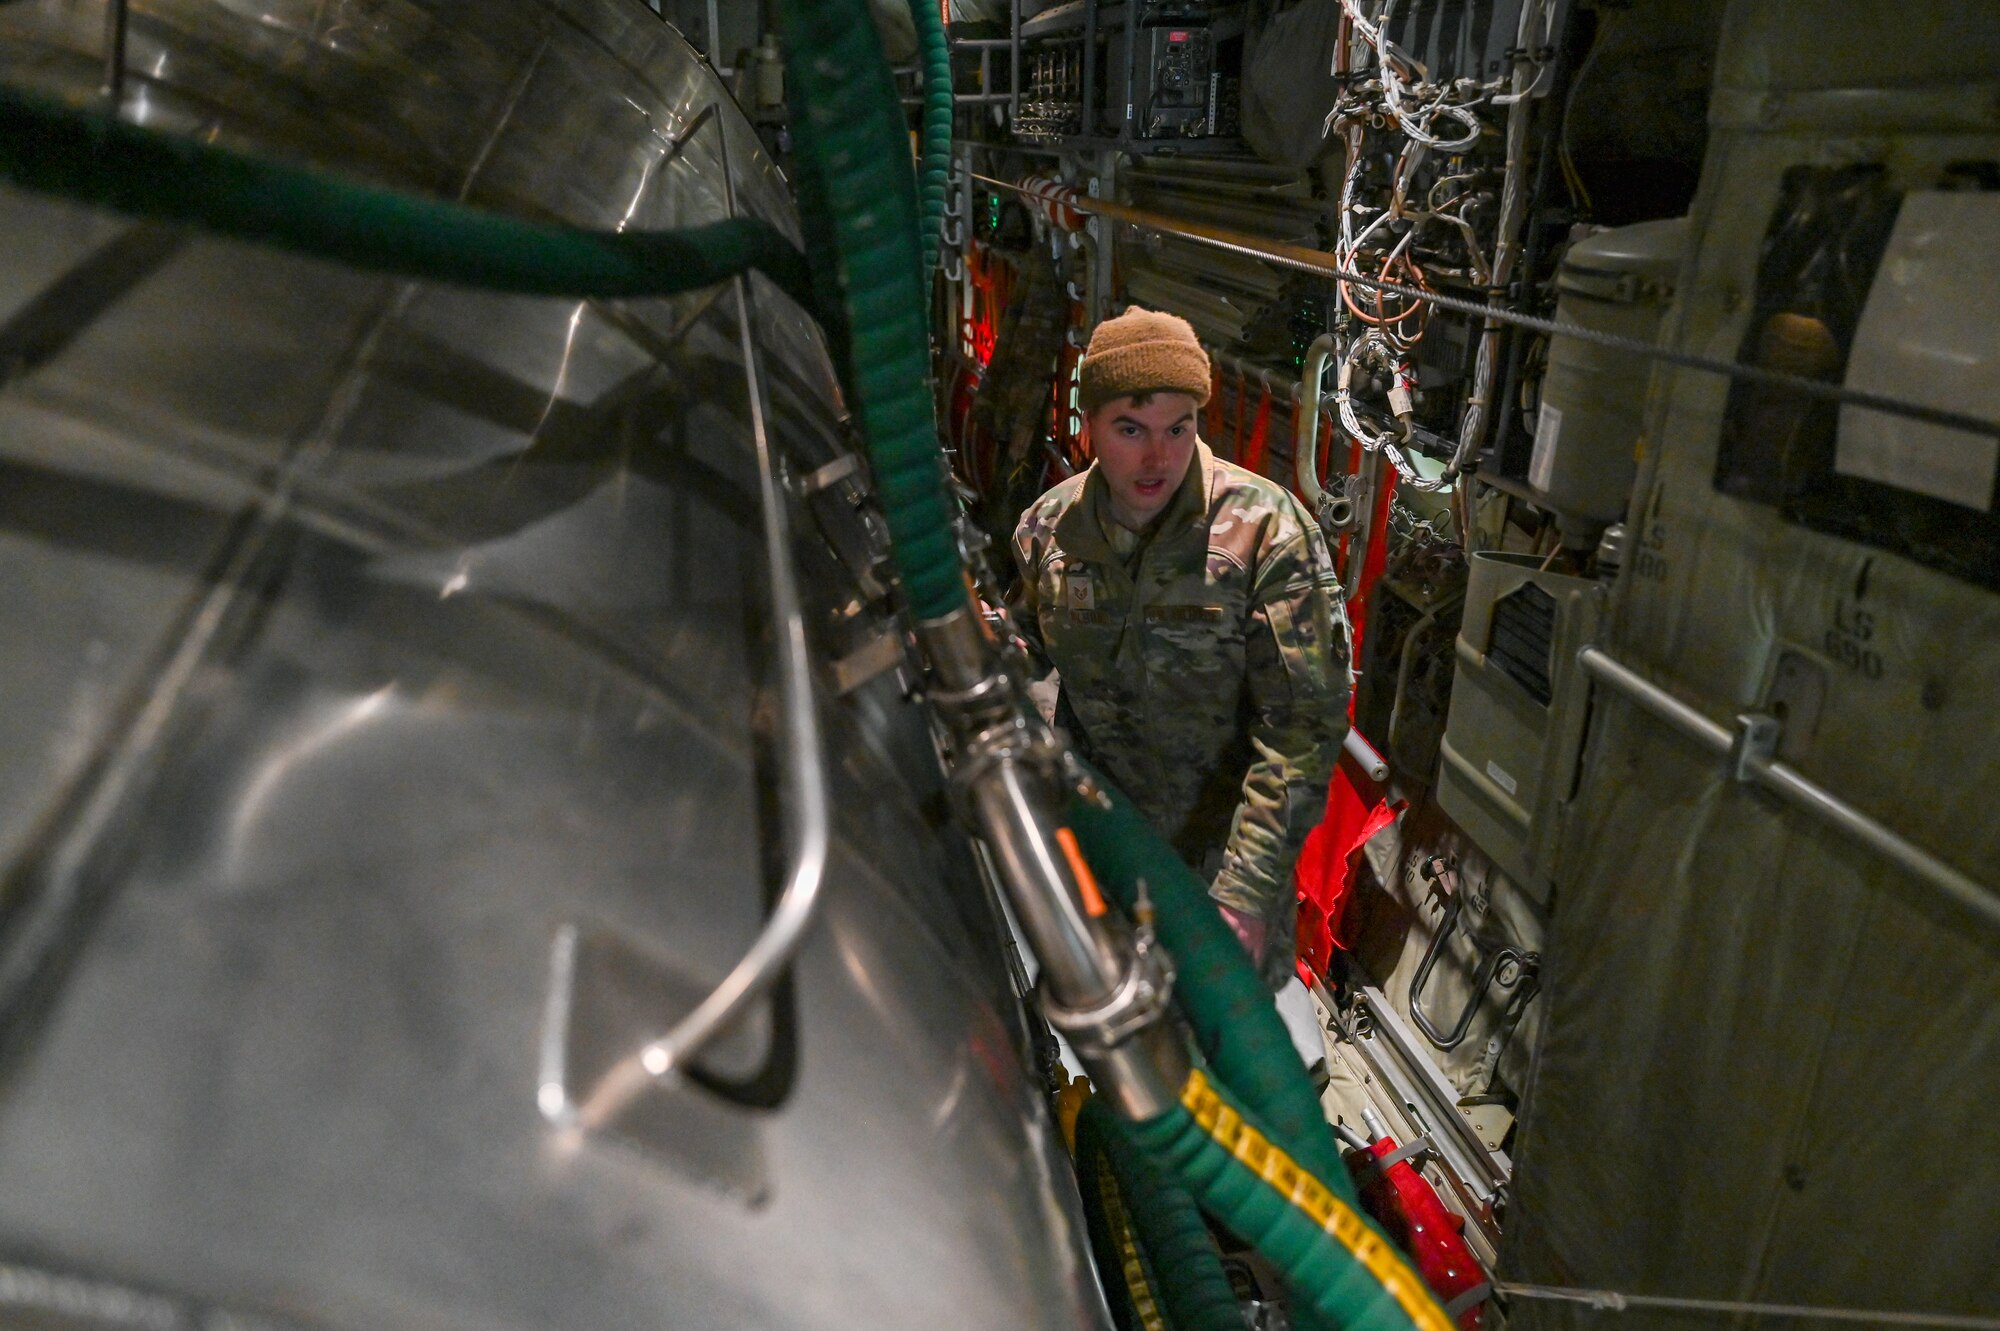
{"x":1415,"y":122}
{"x":1370,"y":440}
{"x":1543,"y":68}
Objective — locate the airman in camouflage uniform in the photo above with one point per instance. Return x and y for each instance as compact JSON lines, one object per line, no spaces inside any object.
{"x":1203,"y":661}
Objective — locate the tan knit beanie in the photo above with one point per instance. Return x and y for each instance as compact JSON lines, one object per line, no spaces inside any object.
{"x":1142,"y":351}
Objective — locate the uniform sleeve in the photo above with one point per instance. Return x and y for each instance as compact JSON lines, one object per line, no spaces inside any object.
{"x":1024,"y":606}
{"x":1297,"y":680}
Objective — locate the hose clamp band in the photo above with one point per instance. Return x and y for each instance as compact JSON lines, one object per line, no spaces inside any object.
{"x":1015,"y":737}
{"x":1139,"y":1001}
{"x":994,"y":689}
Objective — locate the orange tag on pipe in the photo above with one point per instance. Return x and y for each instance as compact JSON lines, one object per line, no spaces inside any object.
{"x":1086,"y":881}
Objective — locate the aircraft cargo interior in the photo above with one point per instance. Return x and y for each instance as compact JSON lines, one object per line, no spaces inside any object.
{"x":1098,"y":665}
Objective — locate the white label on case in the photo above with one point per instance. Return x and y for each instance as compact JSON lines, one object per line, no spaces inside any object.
{"x":1926,"y":334}
{"x":1542,"y":466}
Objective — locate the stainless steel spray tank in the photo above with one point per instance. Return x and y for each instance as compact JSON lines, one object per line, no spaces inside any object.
{"x":392,"y":742}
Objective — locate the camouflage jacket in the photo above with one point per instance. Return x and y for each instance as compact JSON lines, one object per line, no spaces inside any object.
{"x":1206,"y":672}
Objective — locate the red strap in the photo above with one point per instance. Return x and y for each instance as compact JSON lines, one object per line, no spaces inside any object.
{"x":1242,"y":404}
{"x":1376,"y":557}
{"x":1324,"y":873}
{"x":1253,"y":452}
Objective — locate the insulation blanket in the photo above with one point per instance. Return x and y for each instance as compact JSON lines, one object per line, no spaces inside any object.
{"x":1767,"y":1054}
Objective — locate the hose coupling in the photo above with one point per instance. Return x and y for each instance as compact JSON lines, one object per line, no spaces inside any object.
{"x":1017,"y":740}
{"x":1139,"y":1002}
{"x":971,"y":684}
{"x":961,"y":650}
{"x":1078,"y":777}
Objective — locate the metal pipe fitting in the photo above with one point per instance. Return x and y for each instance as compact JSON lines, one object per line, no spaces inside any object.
{"x":1081,"y":962}
{"x":971,"y":688}
{"x":1104,"y":988}
{"x":1305,"y":421}
{"x":959,"y":648}
{"x":1365,"y":755}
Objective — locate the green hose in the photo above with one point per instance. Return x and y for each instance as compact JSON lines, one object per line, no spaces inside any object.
{"x":849,"y":135}
{"x":1340,"y":1270}
{"x":1192,"y":1285}
{"x":862,"y":211}
{"x":1235,"y":1022}
{"x":1129,"y":1285}
{"x":94,"y":158}
{"x":936,"y":53}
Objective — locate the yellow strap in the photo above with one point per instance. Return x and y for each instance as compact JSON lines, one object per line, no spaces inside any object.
{"x":1311,"y":1196}
{"x":1144,"y":1305}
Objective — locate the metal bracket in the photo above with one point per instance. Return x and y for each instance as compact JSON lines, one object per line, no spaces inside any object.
{"x":878,"y":656}
{"x":1752,"y":763}
{"x":1393,"y":1053}
{"x":1493,"y":967}
{"x":1340,"y":507}
{"x":1469,"y":1300}
{"x":1416,"y":1150}
{"x":1754,"y":745}
{"x":828,"y":476}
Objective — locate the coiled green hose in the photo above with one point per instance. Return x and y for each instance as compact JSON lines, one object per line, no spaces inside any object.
{"x":97,"y":159}
{"x":848,"y":124}
{"x":1235,"y":1022}
{"x":1188,"y":1272}
{"x":1129,"y":1283}
{"x":1340,"y":1270}
{"x":936,"y":54}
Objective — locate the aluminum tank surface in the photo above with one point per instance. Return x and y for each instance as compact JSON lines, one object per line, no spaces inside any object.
{"x":389,"y":743}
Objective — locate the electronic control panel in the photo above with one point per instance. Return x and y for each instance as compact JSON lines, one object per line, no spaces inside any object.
{"x":1172,"y":93}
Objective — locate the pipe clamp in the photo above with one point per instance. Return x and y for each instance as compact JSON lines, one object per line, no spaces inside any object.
{"x":1139,"y":1001}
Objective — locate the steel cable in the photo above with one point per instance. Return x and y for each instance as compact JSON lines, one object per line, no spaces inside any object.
{"x":1325,"y":265}
{"x":1613,"y":1301}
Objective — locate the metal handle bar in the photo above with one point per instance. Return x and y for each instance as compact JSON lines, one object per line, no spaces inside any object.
{"x":1526,"y":965}
{"x":1750,"y":748}
{"x":804,"y":788}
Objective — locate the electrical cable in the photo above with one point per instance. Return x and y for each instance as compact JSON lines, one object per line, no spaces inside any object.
{"x":1542,"y":66}
{"x":1571,"y":177}
{"x":1416,"y":127}
{"x":1371,"y":442}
